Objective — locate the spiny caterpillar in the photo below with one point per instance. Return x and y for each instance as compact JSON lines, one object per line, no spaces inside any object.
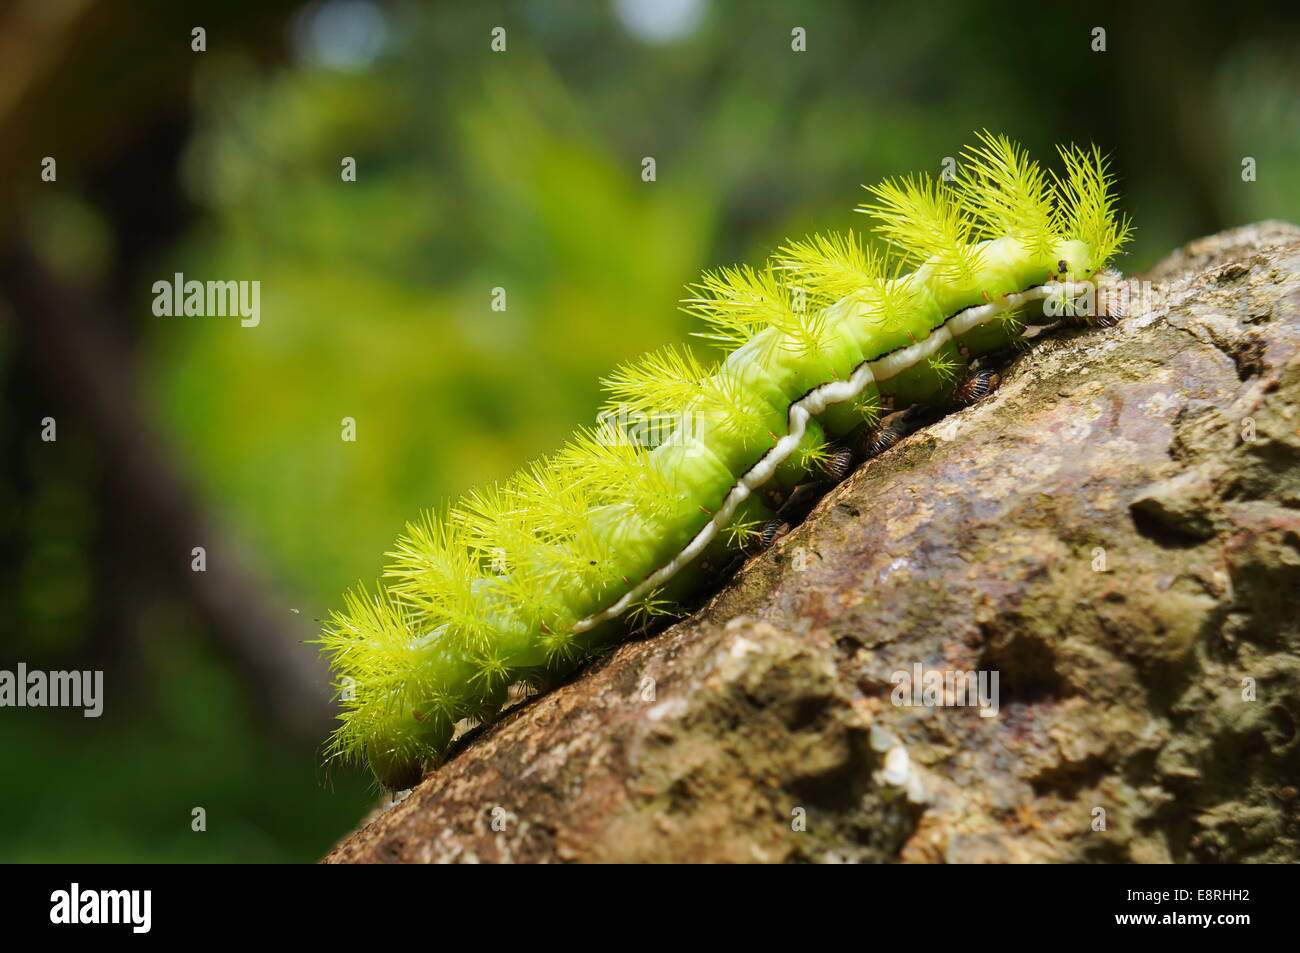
{"x":826,"y":345}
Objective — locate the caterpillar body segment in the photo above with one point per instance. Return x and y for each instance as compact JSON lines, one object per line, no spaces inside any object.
{"x":522,"y":581}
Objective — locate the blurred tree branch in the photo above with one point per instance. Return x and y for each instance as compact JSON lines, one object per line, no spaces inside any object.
{"x":70,"y":89}
{"x":85,"y":372}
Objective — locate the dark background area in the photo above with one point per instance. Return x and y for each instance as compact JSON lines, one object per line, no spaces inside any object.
{"x":475,"y":170}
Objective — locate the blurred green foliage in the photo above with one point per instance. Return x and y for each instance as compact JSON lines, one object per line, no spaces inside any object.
{"x":376,"y":302}
{"x":521,"y":170}
{"x":90,"y":792}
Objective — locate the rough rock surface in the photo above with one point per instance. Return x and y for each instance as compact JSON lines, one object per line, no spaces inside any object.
{"x":1115,"y":532}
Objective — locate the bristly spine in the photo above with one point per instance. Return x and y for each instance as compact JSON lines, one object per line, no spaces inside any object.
{"x":518,"y":582}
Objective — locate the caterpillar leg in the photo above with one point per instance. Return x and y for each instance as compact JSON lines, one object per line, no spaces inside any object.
{"x":743,"y":536}
{"x":835,"y":465}
{"x":875,"y":440}
{"x":977,"y":385}
{"x":773,"y":530}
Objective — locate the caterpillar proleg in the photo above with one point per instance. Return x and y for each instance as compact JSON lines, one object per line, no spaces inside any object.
{"x":520,"y":581}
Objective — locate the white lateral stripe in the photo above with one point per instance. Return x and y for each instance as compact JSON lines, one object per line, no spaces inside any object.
{"x":810,"y":405}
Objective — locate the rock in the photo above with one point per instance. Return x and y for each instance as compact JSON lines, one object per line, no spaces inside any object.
{"x":1115,"y":533}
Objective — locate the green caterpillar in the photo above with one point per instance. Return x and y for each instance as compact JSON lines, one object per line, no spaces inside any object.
{"x":519,"y":582}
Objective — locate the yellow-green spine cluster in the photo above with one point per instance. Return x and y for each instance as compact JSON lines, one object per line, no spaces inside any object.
{"x":520,"y":581}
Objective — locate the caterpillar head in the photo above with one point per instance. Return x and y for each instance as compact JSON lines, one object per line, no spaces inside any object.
{"x":1082,"y":288}
{"x":1074,"y":260}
